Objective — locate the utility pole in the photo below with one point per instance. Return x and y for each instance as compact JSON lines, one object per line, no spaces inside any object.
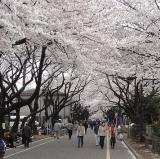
{"x":141,"y":112}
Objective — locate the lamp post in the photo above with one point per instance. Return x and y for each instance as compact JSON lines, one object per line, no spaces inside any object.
{"x":141,"y":114}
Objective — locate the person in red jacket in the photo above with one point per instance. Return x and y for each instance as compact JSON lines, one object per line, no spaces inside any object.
{"x":112,"y":135}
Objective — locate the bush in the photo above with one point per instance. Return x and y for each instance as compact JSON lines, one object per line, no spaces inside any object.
{"x":156,"y":129}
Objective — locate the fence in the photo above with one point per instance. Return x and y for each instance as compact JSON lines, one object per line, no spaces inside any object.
{"x":150,"y":139}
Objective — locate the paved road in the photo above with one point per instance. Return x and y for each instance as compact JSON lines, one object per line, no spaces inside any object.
{"x":67,"y":149}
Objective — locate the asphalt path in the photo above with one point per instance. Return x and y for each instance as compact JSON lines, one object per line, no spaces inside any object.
{"x":64,"y":148}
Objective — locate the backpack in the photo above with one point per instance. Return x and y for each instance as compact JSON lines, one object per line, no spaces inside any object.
{"x":2,"y":147}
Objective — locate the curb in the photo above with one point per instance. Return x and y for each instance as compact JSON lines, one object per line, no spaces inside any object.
{"x":132,"y":150}
{"x":35,"y":141}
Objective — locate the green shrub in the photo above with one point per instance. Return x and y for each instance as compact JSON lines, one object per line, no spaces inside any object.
{"x":156,"y":129}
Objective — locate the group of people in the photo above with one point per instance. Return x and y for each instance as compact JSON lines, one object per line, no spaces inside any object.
{"x":100,"y":130}
{"x":26,"y":134}
{"x":80,"y":128}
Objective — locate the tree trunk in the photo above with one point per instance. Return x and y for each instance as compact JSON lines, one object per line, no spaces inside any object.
{"x":16,"y":122}
{"x":1,"y":126}
{"x":33,"y":117}
{"x":54,"y":118}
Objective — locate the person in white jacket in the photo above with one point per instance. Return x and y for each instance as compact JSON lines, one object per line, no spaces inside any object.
{"x":80,"y":134}
{"x":102,"y":133}
{"x":57,"y":129}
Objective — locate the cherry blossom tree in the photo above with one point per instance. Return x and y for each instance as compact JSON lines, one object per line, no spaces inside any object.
{"x":116,"y":36}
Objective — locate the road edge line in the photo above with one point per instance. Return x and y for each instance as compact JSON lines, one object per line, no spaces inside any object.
{"x":108,"y":148}
{"x":30,"y":143}
{"x":28,"y":149}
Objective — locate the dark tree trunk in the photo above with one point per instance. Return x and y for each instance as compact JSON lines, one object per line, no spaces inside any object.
{"x":54,"y":118}
{"x":4,"y":111}
{"x":1,"y":127}
{"x":16,"y":122}
{"x":33,"y":117}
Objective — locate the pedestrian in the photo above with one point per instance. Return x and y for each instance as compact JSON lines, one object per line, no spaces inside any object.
{"x":12,"y":139}
{"x":75,"y":126}
{"x":26,"y":135}
{"x":102,"y":133}
{"x":119,"y":133}
{"x":70,"y":129}
{"x":118,"y":129}
{"x":85,"y":124}
{"x":120,"y":136}
{"x":112,"y":133}
{"x":57,"y":129}
{"x":91,"y":124}
{"x":80,"y":134}
{"x":2,"y":147}
{"x":6,"y":138}
{"x":96,"y":127}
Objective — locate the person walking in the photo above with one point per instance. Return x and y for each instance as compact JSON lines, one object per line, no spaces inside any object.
{"x":96,"y":127}
{"x":85,"y":124}
{"x":91,"y":124}
{"x":2,"y":147}
{"x":12,"y":139}
{"x":26,"y":135}
{"x":75,"y":126}
{"x":102,"y":134}
{"x":119,"y":133}
{"x":80,"y":134}
{"x":70,"y":130}
{"x":112,"y":133}
{"x":57,"y":129}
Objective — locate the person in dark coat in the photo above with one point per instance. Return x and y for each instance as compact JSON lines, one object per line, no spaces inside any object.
{"x":96,"y":128}
{"x":12,"y":138}
{"x":70,"y":129}
{"x":2,"y":146}
{"x":85,"y":124}
{"x":26,"y":134}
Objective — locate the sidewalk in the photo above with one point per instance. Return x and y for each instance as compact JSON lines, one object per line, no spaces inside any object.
{"x":139,"y":148}
{"x":52,"y":148}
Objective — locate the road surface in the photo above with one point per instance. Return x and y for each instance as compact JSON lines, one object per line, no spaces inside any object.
{"x":64,"y":148}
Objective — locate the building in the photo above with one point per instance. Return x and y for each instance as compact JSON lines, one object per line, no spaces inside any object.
{"x":40,"y":117}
